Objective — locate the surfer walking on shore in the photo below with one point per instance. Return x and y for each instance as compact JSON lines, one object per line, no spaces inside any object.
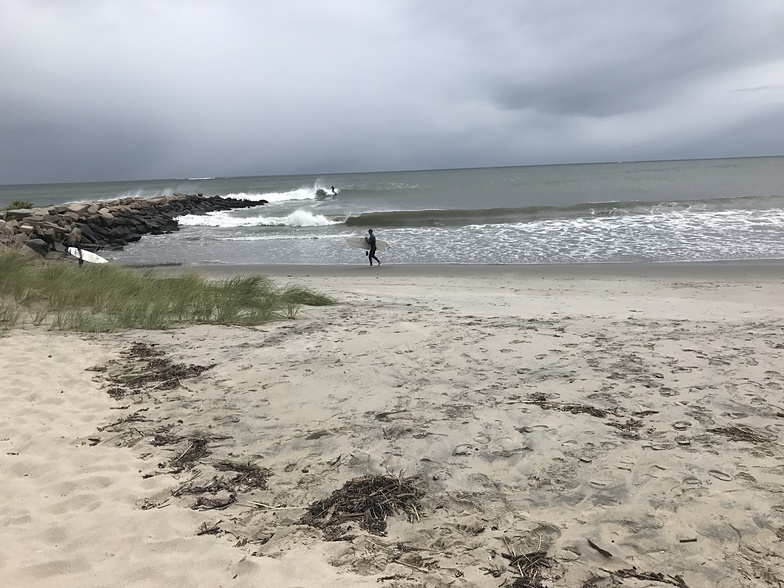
{"x":371,"y":240}
{"x":76,"y":241}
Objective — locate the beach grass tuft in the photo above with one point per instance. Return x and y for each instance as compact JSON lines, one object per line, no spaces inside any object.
{"x":19,"y":205}
{"x":104,"y":298}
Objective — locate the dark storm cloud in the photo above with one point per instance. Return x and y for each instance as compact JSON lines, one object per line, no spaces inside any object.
{"x":111,"y":89}
{"x":630,"y":56}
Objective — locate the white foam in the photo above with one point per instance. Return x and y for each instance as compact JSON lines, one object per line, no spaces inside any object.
{"x":303,"y":218}
{"x":304,"y":193}
{"x":224,"y":219}
{"x":141,"y":193}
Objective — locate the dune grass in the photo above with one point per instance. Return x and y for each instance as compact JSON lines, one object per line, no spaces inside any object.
{"x":19,"y":205}
{"x":107,"y":297}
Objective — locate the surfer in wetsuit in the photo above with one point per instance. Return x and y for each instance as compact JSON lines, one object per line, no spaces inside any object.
{"x":76,"y":240}
{"x":371,"y":240}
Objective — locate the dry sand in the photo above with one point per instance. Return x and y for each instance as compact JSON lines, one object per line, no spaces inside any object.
{"x":624,"y":420}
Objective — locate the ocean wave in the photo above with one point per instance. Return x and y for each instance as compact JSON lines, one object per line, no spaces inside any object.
{"x":315,"y":192}
{"x":272,"y":197}
{"x":589,"y":210}
{"x":224,"y":219}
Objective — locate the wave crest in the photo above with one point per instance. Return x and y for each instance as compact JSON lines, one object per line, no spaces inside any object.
{"x":224,"y":219}
{"x":316,"y":192}
{"x":586,"y":210}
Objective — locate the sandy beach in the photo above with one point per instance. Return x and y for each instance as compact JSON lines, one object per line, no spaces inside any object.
{"x":576,"y":426}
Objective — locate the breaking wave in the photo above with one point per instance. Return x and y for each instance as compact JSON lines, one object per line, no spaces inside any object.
{"x":223,"y":219}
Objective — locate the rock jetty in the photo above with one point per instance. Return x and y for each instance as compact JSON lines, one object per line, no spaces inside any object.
{"x":47,"y":232}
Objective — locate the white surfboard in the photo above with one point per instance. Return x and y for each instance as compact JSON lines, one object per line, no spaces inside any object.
{"x":87,"y":255}
{"x":360,"y":243}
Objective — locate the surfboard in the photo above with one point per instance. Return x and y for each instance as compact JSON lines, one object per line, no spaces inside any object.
{"x":360,"y":243}
{"x":87,"y":255}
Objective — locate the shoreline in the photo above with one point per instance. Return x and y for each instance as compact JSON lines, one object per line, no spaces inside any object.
{"x":753,"y":270}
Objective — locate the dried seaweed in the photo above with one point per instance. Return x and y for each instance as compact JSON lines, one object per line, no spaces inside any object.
{"x":541,"y":401}
{"x":248,"y":475}
{"x":135,"y":417}
{"x":529,"y":566}
{"x":338,"y":533}
{"x":394,"y":577}
{"x":629,"y":425}
{"x":163,"y":435}
{"x":161,"y":439}
{"x":644,"y":413}
{"x":117,"y":392}
{"x":215,"y":485}
{"x":194,"y":452}
{"x":653,"y":576}
{"x":209,"y":530}
{"x":204,"y":503}
{"x":742,"y":433}
{"x":149,"y":366}
{"x":369,"y":500}
{"x":143,"y":350}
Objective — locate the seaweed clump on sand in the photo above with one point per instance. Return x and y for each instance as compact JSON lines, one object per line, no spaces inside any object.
{"x":742,"y":433}
{"x":156,"y":368}
{"x":530,"y":566}
{"x":367,"y":500}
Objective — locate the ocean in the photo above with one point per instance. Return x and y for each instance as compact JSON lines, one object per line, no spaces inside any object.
{"x":628,"y":212}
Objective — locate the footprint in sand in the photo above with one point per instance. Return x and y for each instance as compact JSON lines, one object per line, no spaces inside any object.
{"x":465,"y":449}
{"x":719,"y":475}
{"x":691,"y":483}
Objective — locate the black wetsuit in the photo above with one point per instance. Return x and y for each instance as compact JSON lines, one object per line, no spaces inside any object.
{"x":371,"y":239}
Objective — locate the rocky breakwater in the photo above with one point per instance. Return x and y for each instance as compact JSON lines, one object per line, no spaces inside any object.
{"x":47,"y":232}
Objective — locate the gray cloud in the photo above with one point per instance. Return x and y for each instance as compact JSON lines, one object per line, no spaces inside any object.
{"x":122,"y":89}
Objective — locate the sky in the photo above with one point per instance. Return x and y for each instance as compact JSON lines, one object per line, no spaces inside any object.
{"x":100,"y":90}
